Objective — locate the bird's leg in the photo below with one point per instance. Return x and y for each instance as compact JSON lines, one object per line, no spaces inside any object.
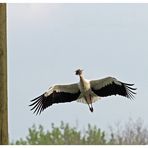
{"x":91,"y":108}
{"x":88,"y":104}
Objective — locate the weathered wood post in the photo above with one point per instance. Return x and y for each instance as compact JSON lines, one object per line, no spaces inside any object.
{"x":3,"y":77}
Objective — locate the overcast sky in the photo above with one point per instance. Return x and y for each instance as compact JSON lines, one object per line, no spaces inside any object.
{"x":48,"y":42}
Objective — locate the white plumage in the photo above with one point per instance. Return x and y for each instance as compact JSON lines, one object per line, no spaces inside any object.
{"x":85,"y":91}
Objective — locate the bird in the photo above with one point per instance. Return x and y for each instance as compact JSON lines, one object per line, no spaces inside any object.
{"x":85,"y":91}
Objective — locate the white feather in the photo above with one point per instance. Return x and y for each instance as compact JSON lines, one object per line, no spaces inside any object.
{"x":94,"y":99}
{"x":70,"y":88}
{"x":98,"y":84}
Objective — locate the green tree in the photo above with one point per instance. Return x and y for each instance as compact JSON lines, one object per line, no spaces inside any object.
{"x":133,"y":133}
{"x":63,"y":135}
{"x":94,"y":136}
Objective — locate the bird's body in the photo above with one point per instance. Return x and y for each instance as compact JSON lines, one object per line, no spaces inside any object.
{"x":86,"y":96}
{"x":85,"y":91}
{"x":85,"y":88}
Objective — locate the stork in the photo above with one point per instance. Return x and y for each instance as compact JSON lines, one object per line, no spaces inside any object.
{"x":86,"y":91}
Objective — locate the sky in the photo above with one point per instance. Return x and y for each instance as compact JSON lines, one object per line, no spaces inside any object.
{"x":48,"y":42}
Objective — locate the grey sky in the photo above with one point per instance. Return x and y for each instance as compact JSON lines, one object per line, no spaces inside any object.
{"x":48,"y":42}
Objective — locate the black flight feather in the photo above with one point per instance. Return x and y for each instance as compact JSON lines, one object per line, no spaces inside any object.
{"x":115,"y":89}
{"x":42,"y":102}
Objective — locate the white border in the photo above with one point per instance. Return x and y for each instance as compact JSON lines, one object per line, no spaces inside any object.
{"x":73,"y":1}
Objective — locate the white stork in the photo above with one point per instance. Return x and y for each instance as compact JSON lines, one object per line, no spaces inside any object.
{"x":85,"y":91}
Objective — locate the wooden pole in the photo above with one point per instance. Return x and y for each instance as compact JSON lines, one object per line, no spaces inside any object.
{"x":3,"y":77}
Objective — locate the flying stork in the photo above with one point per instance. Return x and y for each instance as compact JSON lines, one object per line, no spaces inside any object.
{"x":86,"y":91}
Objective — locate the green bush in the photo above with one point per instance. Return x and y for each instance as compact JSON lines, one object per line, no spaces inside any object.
{"x":132,"y":133}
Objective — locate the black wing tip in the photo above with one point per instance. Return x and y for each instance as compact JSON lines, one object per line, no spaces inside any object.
{"x":130,"y":94}
{"x":36,"y":98}
{"x":36,"y":105}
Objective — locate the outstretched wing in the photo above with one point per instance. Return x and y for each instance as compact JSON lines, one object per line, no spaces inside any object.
{"x":111,"y":86}
{"x":55,"y":94}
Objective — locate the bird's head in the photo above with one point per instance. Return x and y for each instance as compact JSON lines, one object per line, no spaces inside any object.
{"x":79,"y":72}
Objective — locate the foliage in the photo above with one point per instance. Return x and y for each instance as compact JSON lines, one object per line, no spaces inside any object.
{"x":133,"y":133}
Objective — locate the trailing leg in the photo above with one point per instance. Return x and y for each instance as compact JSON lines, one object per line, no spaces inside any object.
{"x":91,"y":107}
